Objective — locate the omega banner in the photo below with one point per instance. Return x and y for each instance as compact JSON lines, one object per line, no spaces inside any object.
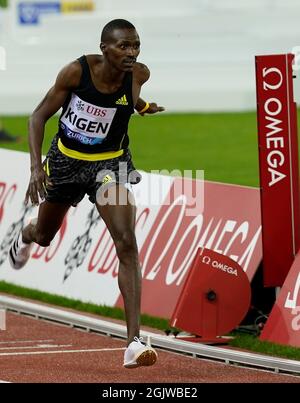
{"x":283,"y":325}
{"x":175,"y":216}
{"x":278,"y":160}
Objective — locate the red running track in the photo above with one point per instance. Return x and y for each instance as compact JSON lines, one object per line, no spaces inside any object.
{"x":35,"y":351}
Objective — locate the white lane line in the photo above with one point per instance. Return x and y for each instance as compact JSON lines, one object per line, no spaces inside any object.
{"x":92,"y":350}
{"x":25,"y":341}
{"x":29,"y":347}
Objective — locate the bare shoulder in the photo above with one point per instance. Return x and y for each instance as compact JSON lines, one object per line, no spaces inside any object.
{"x":69,"y":76}
{"x":94,"y":58}
{"x":94,"y":61}
{"x":141,"y":73}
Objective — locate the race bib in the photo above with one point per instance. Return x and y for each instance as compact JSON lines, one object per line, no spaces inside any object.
{"x":85,"y":122}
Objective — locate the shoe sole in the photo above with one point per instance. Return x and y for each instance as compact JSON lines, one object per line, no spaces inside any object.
{"x":146,"y":359}
{"x":15,"y":264}
{"x":11,"y":257}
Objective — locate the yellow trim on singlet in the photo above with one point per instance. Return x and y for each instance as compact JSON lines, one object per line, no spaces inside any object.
{"x":88,"y":157}
{"x":47,"y":168}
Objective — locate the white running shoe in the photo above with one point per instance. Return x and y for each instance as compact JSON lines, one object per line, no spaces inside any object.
{"x":19,"y":252}
{"x":138,"y":354}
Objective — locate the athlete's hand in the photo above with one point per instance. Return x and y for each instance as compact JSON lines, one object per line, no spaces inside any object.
{"x":37,"y":186}
{"x":153,"y":108}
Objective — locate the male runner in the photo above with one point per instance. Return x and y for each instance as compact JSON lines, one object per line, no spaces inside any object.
{"x":98,"y":94}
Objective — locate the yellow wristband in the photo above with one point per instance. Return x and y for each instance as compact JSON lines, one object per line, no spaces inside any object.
{"x":147,"y":106}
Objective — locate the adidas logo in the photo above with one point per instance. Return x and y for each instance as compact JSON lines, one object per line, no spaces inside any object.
{"x":122,"y":101}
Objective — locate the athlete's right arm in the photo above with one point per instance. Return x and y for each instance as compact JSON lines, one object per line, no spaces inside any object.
{"x":67,"y":80}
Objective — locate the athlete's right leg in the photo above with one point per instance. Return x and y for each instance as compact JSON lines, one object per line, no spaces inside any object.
{"x":49,"y":220}
{"x":41,"y":231}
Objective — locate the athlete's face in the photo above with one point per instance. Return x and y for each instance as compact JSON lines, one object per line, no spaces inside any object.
{"x":122,"y":50}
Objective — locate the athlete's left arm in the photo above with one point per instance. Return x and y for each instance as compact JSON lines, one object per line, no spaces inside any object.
{"x":141,"y":74}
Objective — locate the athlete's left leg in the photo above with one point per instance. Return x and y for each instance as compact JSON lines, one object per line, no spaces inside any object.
{"x":119,"y":214}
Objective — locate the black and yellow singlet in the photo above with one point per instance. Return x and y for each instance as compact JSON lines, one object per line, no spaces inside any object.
{"x":93,"y":125}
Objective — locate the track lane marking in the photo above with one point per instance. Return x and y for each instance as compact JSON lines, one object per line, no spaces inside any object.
{"x":28,"y":347}
{"x":92,"y":350}
{"x":25,"y":341}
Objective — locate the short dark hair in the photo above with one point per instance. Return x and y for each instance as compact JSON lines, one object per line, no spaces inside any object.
{"x":112,"y":25}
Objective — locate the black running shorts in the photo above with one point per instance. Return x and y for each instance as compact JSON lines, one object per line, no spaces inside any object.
{"x":73,"y":178}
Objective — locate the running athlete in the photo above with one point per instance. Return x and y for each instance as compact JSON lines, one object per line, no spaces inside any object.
{"x":98,"y":94}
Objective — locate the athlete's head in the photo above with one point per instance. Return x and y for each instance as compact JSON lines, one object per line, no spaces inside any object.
{"x":120,"y":44}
